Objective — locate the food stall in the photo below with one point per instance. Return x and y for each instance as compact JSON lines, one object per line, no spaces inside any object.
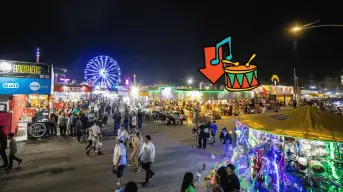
{"x":66,"y":96}
{"x":28,"y":87}
{"x":296,"y":150}
{"x":281,"y":94}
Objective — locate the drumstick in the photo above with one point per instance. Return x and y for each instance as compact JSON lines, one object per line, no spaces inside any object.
{"x":251,"y":58}
{"x":230,"y":62}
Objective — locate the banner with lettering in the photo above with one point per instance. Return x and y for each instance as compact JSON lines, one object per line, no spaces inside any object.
{"x":25,"y":86}
{"x":17,"y":69}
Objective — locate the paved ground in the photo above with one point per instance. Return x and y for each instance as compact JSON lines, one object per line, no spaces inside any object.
{"x":59,"y":165}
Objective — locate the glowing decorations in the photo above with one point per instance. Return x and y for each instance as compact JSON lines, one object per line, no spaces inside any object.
{"x":275,"y":79}
{"x":103,"y":71}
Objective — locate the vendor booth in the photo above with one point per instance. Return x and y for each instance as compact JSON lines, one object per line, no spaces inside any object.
{"x":296,"y":150}
{"x":28,"y":87}
{"x":71,"y":95}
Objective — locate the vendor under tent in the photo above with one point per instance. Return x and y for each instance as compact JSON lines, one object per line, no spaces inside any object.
{"x":305,"y":122}
{"x":298,"y":149}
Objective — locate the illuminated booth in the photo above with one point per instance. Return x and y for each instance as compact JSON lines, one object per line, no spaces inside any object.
{"x":28,"y":87}
{"x":296,"y":150}
{"x":65,"y":96}
{"x":282,"y":94}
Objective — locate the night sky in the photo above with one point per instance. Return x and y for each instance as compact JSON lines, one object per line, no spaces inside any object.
{"x":162,"y":41}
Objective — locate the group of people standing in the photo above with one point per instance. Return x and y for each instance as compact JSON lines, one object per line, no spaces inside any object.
{"x":143,"y":154}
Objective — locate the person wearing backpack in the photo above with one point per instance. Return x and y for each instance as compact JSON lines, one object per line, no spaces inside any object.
{"x":63,"y":125}
{"x":204,"y":134}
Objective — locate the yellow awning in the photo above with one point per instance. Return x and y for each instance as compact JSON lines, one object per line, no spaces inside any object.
{"x":143,"y":93}
{"x":305,"y":122}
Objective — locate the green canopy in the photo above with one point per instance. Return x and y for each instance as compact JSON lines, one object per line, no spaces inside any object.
{"x":305,"y":122}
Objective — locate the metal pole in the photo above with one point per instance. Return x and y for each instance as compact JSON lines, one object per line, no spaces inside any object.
{"x":295,"y":85}
{"x":37,"y":55}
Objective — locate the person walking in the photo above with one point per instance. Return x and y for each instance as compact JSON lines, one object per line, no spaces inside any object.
{"x":117,"y":120}
{"x":3,"y":146}
{"x":62,"y":122}
{"x":95,"y":132}
{"x":136,"y":149}
{"x":119,"y":160}
{"x":147,"y":157}
{"x":204,"y":135}
{"x":188,"y":183}
{"x":214,"y":128}
{"x":226,"y":140}
{"x":85,"y":125}
{"x":90,"y":138}
{"x":134,"y":120}
{"x":140,"y":118}
{"x":13,"y":151}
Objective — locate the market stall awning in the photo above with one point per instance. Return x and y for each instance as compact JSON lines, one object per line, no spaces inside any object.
{"x":305,"y":122}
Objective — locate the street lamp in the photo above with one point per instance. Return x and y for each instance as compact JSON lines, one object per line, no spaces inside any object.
{"x":190,"y":81}
{"x":311,"y":25}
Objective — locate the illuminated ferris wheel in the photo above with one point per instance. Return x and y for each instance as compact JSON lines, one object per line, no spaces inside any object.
{"x":103,"y":71}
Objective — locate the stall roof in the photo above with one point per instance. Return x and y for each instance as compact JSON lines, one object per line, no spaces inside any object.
{"x":304,"y":122}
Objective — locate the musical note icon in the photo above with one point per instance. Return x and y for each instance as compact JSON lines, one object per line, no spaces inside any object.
{"x":216,"y":61}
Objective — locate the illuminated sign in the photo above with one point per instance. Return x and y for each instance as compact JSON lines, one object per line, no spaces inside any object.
{"x":63,"y":80}
{"x":72,"y":89}
{"x":24,"y":70}
{"x":239,"y":77}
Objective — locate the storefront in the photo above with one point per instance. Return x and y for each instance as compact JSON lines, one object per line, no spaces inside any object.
{"x":202,"y":96}
{"x":70,"y":95}
{"x":27,"y":87}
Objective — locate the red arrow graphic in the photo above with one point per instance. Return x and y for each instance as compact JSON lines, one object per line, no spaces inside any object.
{"x":212,"y":72}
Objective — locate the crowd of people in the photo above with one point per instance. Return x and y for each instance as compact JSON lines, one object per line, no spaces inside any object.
{"x":86,"y":123}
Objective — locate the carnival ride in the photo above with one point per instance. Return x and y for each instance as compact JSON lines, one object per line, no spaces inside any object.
{"x":103,"y":71}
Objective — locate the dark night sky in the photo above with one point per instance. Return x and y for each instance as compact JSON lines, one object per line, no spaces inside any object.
{"x":162,"y":41}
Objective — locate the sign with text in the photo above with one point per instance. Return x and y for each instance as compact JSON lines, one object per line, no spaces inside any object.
{"x":25,"y":86}
{"x":58,"y":88}
{"x":63,"y":80}
{"x":17,"y":69}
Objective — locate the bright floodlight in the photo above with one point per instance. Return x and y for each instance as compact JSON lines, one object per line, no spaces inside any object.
{"x":134,"y":91}
{"x":190,"y":81}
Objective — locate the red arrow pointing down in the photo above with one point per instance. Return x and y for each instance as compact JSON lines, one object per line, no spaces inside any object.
{"x":212,"y":72}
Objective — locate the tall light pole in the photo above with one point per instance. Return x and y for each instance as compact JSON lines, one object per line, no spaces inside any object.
{"x":296,"y":29}
{"x":37,"y":55}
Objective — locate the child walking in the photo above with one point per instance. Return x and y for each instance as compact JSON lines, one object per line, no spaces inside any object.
{"x":226,"y":140}
{"x":13,"y":151}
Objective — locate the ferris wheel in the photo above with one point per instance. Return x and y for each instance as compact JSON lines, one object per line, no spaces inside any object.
{"x":103,"y":71}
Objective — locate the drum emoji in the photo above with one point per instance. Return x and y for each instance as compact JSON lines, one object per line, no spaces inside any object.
{"x":241,"y":78}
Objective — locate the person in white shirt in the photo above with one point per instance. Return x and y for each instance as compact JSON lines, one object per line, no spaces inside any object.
{"x":124,"y":134}
{"x":119,"y":160}
{"x":134,"y":120}
{"x":147,"y":157}
{"x":95,"y":133}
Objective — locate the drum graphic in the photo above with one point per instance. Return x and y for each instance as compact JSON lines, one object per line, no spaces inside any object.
{"x":241,"y":77}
